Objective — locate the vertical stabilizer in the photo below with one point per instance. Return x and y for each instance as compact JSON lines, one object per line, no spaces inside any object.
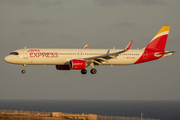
{"x":158,"y":43}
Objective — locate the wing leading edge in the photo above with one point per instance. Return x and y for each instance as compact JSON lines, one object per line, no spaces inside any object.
{"x":97,"y":60}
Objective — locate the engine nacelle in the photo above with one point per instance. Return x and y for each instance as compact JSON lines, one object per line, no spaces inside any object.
{"x":78,"y":64}
{"x":63,"y":67}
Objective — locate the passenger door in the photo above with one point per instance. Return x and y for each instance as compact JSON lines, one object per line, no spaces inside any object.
{"x":25,"y":54}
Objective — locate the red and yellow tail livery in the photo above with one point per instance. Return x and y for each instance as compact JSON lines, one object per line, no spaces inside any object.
{"x":156,"y":48}
{"x":158,"y":43}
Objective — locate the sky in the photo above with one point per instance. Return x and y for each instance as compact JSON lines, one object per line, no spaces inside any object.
{"x":102,"y":24}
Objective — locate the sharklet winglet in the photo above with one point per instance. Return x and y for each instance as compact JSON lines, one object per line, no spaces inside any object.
{"x":129,"y":45}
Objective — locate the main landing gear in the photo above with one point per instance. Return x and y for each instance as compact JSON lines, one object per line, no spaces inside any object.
{"x":93,"y":71}
{"x":84,"y":71}
{"x":24,"y":67}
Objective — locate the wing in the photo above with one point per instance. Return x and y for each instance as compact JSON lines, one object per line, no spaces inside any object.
{"x":97,"y":60}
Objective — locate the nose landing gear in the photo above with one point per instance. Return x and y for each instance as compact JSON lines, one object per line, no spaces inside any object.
{"x":23,"y":71}
{"x":24,"y":67}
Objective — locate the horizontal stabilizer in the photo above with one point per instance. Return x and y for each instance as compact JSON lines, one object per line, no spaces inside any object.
{"x":165,"y":53}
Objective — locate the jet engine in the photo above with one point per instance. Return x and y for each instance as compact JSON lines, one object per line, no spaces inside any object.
{"x":78,"y":64}
{"x":73,"y":64}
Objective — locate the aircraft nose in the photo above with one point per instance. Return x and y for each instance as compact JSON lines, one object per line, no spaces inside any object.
{"x":7,"y":59}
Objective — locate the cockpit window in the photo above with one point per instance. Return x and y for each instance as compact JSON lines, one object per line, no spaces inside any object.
{"x":14,"y":53}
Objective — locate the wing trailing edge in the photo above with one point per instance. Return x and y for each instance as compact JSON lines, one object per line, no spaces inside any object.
{"x":97,"y":60}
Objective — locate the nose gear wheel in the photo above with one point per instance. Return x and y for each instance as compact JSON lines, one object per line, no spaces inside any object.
{"x":23,"y":71}
{"x":24,"y":67}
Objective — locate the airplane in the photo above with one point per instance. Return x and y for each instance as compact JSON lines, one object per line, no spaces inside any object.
{"x":79,"y":59}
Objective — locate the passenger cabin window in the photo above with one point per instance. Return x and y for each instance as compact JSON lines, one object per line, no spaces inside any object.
{"x":14,"y":53}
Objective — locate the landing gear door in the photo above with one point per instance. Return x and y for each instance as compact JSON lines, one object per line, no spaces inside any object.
{"x":25,"y":54}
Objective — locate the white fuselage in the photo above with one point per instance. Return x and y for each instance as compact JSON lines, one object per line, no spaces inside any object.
{"x":37,"y":56}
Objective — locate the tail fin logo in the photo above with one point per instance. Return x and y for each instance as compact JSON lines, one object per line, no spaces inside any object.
{"x":85,"y":46}
{"x":159,"y":41}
